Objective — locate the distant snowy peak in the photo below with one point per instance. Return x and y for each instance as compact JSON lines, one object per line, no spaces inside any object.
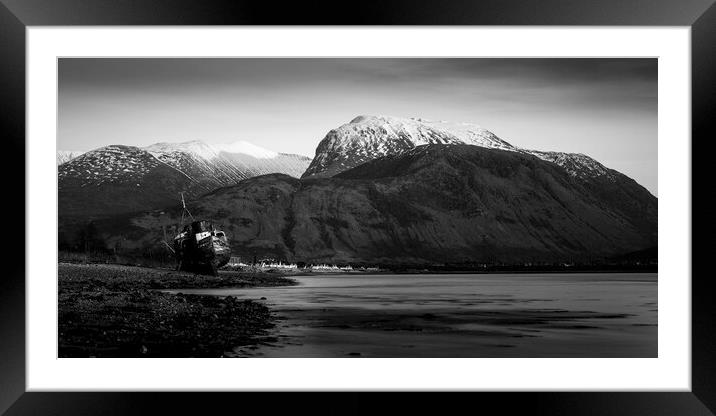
{"x":64,"y":156}
{"x":192,"y":167}
{"x":367,"y":138}
{"x":202,"y":150}
{"x":247,"y":148}
{"x":216,"y":165}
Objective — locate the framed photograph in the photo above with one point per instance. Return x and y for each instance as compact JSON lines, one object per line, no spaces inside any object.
{"x":493,"y":198}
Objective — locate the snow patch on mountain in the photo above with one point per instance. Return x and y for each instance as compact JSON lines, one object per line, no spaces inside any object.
{"x":211,"y":151}
{"x":419,"y":131}
{"x":194,"y":147}
{"x":247,"y":148}
{"x":576,"y":164}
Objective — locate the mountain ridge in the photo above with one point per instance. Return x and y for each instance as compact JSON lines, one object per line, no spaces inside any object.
{"x":434,"y":204}
{"x":201,"y":168}
{"x":368,"y":137}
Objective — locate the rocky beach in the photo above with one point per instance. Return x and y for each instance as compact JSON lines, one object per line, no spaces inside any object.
{"x":120,"y":311}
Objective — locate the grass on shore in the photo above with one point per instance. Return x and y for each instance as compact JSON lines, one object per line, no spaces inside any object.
{"x":116,"y":311}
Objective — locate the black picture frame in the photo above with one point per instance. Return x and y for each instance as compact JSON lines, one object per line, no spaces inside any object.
{"x":16,"y":15}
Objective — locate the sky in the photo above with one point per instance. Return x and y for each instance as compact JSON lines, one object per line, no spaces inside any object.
{"x":603,"y":107}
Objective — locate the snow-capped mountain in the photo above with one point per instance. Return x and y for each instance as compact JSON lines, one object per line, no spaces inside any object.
{"x":367,"y":138}
{"x":64,"y":156}
{"x":433,"y":204}
{"x":417,"y":194}
{"x":191,"y":167}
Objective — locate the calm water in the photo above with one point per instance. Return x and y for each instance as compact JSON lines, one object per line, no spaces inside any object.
{"x":466,"y":315}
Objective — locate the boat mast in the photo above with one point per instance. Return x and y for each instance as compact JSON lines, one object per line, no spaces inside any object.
{"x":183,"y":203}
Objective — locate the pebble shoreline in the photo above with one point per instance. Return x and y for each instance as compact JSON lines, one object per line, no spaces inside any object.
{"x":119,"y":311}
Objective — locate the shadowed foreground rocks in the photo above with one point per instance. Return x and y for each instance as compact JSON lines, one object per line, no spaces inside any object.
{"x":117,"y":311}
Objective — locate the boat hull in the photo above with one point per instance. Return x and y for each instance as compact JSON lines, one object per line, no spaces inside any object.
{"x":203,"y":252}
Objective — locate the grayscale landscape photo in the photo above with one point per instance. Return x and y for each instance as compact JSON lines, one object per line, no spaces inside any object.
{"x":357,"y":207}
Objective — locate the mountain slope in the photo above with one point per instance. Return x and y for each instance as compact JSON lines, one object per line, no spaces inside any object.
{"x":430,"y":204}
{"x":213,"y":166}
{"x":200,"y":162}
{"x":118,"y":179}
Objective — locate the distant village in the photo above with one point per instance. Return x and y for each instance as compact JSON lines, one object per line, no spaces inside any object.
{"x":269,"y":265}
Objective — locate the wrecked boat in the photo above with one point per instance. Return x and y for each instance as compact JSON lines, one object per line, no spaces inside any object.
{"x":201,"y":248}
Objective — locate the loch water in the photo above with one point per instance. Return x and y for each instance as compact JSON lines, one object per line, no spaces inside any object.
{"x":459,"y":315}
